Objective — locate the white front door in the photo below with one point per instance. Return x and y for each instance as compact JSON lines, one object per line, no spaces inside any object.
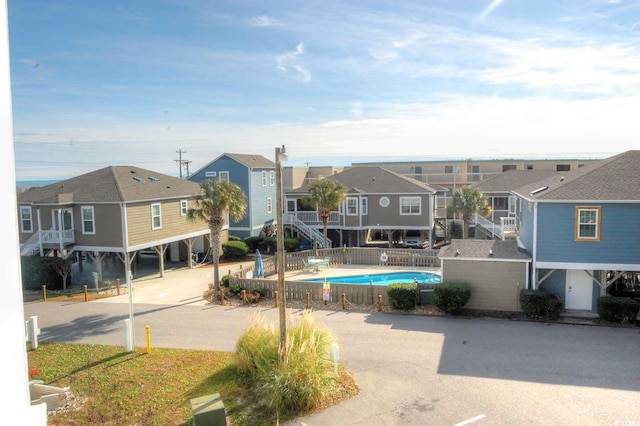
{"x":578,"y":290}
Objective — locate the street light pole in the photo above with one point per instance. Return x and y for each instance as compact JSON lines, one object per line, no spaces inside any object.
{"x":281,"y":155}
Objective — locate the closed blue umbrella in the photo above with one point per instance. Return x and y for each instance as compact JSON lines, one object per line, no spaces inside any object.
{"x":258,"y":269}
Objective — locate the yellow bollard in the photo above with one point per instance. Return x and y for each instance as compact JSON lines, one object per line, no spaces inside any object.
{"x":344,"y":301}
{"x":275,"y":294}
{"x":44,"y":293}
{"x":86,"y":298}
{"x":379,"y":303}
{"x":308,"y":300}
{"x":244,"y":297}
{"x":148,"y":333}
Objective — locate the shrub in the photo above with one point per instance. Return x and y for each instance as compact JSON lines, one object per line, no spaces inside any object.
{"x":403,"y":296}
{"x":260,"y":291}
{"x":210,"y":293}
{"x":451,"y":297}
{"x":234,"y":238}
{"x":291,"y":244}
{"x":254,"y":243}
{"x":236,"y":289}
{"x":540,"y":304}
{"x":270,"y":244}
{"x":224,"y":281}
{"x":304,"y":380}
{"x":38,"y":271}
{"x":234,"y":250}
{"x":553,"y":308}
{"x":618,"y":309}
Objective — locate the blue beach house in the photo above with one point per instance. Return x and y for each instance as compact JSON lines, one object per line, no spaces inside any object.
{"x":255,"y":175}
{"x":582,"y":229}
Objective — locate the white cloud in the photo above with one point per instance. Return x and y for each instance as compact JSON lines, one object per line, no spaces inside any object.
{"x":291,"y":60}
{"x":487,"y":10}
{"x":263,"y":21}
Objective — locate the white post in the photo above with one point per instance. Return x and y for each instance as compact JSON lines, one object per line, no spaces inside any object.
{"x":15,"y":376}
{"x":128,"y":338}
{"x":32,"y":332}
{"x":335,"y":355}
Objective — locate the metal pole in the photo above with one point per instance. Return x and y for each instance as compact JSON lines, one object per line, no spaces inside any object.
{"x":130,"y":330}
{"x":280,"y":258}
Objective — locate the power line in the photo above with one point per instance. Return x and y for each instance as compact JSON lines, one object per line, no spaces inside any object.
{"x":182,"y":163}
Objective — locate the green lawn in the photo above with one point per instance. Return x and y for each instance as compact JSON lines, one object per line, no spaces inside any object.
{"x":120,"y":388}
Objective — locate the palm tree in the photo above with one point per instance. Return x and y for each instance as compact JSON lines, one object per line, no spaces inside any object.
{"x":218,"y":198}
{"x":468,"y":201}
{"x":325,"y":195}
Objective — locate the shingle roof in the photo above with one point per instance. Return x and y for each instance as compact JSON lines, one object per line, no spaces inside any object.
{"x":375,"y":180}
{"x":613,"y":179}
{"x":512,"y":179}
{"x":481,"y":249}
{"x":252,"y":161}
{"x":249,"y":160}
{"x":112,"y":184}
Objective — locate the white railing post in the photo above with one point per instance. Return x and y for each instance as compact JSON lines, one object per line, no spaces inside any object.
{"x":33,"y":331}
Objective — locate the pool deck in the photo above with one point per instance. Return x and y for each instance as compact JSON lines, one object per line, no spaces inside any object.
{"x":351,"y":270}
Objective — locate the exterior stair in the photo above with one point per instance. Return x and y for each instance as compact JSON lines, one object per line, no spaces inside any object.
{"x":306,"y":230}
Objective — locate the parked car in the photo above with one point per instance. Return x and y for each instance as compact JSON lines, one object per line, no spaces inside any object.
{"x":413,"y":239}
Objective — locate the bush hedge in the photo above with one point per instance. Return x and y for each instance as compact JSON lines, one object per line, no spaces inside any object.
{"x":451,"y":297}
{"x":234,"y":249}
{"x":618,"y":309}
{"x":38,"y":271}
{"x":254,"y":243}
{"x":403,"y":296}
{"x":540,"y":304}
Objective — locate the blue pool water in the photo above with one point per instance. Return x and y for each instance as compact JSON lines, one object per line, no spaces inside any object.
{"x":383,"y":278}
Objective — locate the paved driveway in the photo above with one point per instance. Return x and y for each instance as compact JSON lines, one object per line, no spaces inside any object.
{"x":412,"y":370}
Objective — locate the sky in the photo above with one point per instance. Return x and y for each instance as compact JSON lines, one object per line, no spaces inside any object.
{"x":100,"y":83}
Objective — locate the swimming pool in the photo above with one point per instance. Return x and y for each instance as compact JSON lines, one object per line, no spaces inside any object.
{"x":383,"y":278}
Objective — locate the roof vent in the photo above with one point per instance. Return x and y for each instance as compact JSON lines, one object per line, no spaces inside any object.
{"x":138,"y":179}
{"x":539,"y":190}
{"x":561,"y":178}
{"x":153,"y":179}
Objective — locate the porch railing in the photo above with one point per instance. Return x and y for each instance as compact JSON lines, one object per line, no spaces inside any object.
{"x":306,"y":230}
{"x":50,"y":237}
{"x":312,"y":218}
{"x":506,"y":229}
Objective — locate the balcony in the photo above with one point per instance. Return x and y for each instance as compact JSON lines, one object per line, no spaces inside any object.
{"x":51,"y":239}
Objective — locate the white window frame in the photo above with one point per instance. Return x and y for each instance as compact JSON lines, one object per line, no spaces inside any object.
{"x":269,"y":205}
{"x":352,"y":206}
{"x":84,"y":209}
{"x":364,"y":206}
{"x":210,"y":174}
{"x":595,"y":224}
{"x":272,"y":178}
{"x":224,"y":175}
{"x":154,"y":216}
{"x":26,"y":209}
{"x":409,"y":203}
{"x":264,"y":178}
{"x":184,"y":207}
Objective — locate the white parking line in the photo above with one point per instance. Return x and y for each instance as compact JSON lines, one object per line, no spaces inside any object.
{"x":471,"y":420}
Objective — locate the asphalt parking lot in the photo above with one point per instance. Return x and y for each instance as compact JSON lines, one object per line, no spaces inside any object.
{"x":412,"y":370}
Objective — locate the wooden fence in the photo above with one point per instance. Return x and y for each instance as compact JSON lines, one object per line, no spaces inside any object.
{"x":354,"y":294}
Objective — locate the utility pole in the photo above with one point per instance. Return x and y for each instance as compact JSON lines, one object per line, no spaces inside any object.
{"x":186,"y":165}
{"x":181,"y":162}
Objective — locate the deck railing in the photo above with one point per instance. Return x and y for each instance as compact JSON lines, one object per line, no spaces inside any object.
{"x":355,"y":294}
